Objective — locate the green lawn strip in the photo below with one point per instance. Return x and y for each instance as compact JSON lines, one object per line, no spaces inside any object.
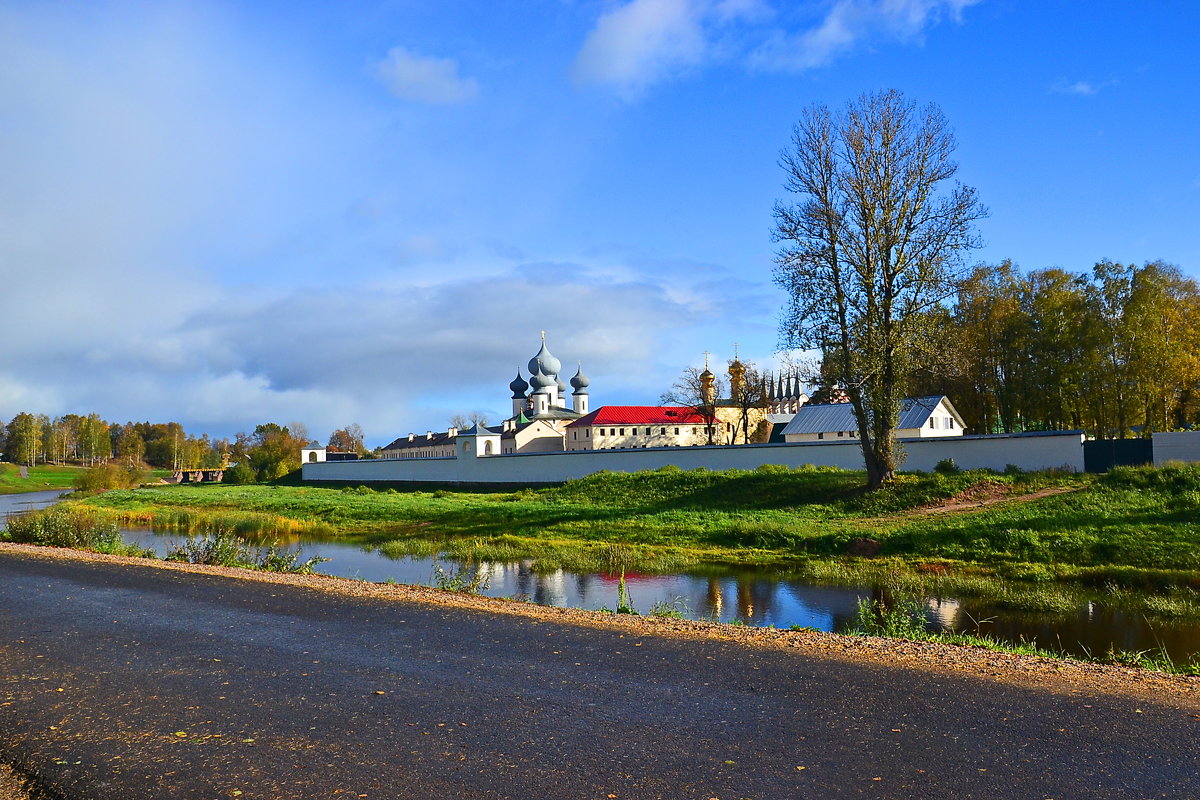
{"x":1108,"y":524}
{"x":41,"y":478}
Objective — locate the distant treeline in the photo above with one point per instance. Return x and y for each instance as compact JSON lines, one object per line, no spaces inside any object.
{"x":270,"y":452}
{"x":1115,"y":352}
{"x":90,"y":440}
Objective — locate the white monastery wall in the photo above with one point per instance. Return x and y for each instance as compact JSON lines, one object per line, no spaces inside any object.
{"x":992,"y":452}
{"x":1029,"y":452}
{"x":1177,"y":446}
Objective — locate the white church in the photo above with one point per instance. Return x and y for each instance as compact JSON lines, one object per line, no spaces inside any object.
{"x":540,"y":415}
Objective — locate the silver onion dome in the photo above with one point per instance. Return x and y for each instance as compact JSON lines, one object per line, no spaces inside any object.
{"x":519,"y":385}
{"x":548,"y":363}
{"x":580,"y":382}
{"x":540,"y":380}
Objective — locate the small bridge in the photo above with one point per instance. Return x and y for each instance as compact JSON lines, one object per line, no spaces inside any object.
{"x":214,"y":475}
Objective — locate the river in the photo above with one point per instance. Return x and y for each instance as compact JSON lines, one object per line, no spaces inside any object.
{"x":27,"y":501}
{"x":761,"y":597}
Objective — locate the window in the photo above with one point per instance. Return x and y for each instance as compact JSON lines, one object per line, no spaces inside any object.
{"x":622,"y":431}
{"x":648,"y":432}
{"x":841,"y":434}
{"x":950,"y":423}
{"x":820,"y":436}
{"x":677,"y":431}
{"x":931,"y":423}
{"x":589,"y":433}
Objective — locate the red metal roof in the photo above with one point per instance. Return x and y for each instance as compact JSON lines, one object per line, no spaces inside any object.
{"x":640,"y":415}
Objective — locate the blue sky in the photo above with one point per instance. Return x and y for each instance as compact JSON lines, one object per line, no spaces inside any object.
{"x":230,"y":213}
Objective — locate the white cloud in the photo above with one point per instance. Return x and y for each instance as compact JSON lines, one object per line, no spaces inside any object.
{"x":1080,"y":88}
{"x":643,"y":42}
{"x":849,"y":23}
{"x":425,"y":79}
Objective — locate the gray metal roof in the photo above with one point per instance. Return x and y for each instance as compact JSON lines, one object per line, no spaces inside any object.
{"x":831,"y":417}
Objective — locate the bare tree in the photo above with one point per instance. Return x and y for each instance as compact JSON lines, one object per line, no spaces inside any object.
{"x":688,"y":390}
{"x":749,"y":393}
{"x":466,"y":421}
{"x":869,"y":248}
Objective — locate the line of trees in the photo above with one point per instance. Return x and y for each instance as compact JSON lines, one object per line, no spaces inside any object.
{"x":90,"y":440}
{"x":269,"y":453}
{"x":1114,"y":352}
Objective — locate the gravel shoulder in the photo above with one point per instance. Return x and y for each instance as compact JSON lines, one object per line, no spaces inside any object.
{"x":1054,"y":675}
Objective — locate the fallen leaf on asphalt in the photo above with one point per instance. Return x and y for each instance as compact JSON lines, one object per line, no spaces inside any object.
{"x":801,"y":768}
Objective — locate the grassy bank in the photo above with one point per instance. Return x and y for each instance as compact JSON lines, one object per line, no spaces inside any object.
{"x":41,"y":478}
{"x":815,"y":511}
{"x":1135,"y":527}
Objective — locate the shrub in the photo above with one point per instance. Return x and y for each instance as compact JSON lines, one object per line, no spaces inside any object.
{"x":946,"y":467}
{"x":224,"y":548}
{"x":111,"y":476}
{"x":467,"y":578}
{"x":903,"y":619}
{"x":240,"y":474}
{"x":670,"y":609}
{"x":69,"y":527}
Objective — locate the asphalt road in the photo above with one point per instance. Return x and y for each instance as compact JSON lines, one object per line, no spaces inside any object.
{"x":132,"y":682}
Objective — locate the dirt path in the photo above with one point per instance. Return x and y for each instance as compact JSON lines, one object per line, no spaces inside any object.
{"x":986,"y":494}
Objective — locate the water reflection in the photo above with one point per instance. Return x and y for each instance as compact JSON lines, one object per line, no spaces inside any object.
{"x":27,"y":501}
{"x":758,"y":597}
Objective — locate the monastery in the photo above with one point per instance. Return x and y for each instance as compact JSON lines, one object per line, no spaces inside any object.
{"x":545,"y":419}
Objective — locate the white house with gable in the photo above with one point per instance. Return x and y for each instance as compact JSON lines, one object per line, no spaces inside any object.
{"x":920,"y":418}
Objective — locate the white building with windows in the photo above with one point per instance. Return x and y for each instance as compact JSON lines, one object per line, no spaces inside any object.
{"x":920,"y":418}
{"x":626,"y":427}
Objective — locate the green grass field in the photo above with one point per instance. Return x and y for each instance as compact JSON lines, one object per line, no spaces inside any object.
{"x":41,"y":478}
{"x":1137,"y":519}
